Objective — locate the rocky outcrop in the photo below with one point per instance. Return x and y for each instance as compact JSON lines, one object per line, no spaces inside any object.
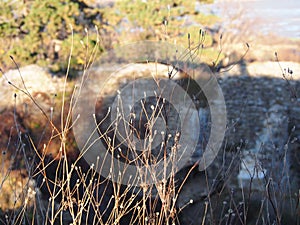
{"x":262,"y":136}
{"x":262,"y":111}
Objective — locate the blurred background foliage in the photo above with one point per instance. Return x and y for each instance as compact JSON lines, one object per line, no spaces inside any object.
{"x":39,"y":31}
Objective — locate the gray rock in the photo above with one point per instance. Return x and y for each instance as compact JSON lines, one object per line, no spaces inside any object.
{"x":33,"y":80}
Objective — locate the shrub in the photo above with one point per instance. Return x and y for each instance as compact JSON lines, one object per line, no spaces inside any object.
{"x":37,"y":31}
{"x":169,"y":20}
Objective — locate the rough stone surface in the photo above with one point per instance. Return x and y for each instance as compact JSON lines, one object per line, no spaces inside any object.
{"x":32,"y":79}
{"x":261,"y":118}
